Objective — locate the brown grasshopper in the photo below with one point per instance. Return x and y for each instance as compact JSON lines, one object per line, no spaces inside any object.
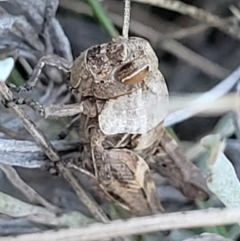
{"x":123,"y":100}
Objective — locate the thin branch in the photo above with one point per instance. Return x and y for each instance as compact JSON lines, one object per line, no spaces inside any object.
{"x":133,"y":226}
{"x":196,"y":13}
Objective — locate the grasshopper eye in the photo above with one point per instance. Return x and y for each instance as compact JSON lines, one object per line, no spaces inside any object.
{"x":131,"y":74}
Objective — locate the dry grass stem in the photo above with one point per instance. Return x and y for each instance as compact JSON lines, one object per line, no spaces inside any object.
{"x":178,"y":220}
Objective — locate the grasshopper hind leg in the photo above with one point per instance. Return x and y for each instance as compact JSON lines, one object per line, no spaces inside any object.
{"x":125,"y":176}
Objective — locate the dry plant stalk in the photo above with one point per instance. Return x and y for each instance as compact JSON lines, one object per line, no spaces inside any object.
{"x":142,"y":225}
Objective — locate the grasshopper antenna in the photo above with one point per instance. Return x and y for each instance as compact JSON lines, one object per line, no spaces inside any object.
{"x":126,"y":18}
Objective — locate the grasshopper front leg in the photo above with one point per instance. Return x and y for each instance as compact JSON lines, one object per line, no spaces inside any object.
{"x":85,"y":107}
{"x":125,"y":176}
{"x":50,"y":60}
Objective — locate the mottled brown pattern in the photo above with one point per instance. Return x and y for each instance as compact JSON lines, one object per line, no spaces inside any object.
{"x":104,"y":64}
{"x":122,"y":73}
{"x":109,"y":71}
{"x":124,"y":101}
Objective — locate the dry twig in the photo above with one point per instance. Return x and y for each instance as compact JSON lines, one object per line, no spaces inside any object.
{"x":190,"y":219}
